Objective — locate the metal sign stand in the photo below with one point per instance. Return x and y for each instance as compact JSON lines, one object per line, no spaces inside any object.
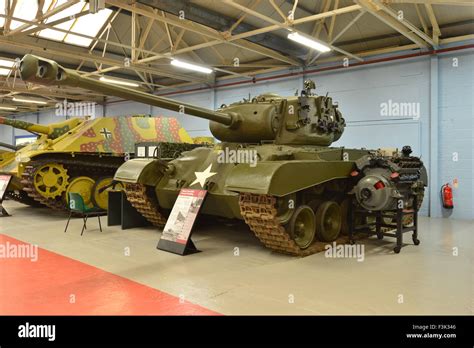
{"x":4,"y":182}
{"x":177,"y":248}
{"x":176,"y":236}
{"x":3,"y":211}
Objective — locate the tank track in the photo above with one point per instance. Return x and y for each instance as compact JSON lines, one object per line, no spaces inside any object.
{"x":260,"y":214}
{"x":23,"y":198}
{"x":74,"y":167}
{"x":145,"y":204}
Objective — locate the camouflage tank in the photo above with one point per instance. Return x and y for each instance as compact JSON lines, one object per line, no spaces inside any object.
{"x":274,"y":167}
{"x":79,"y":155}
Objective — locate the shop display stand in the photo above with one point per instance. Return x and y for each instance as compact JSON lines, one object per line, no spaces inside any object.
{"x":396,"y":227}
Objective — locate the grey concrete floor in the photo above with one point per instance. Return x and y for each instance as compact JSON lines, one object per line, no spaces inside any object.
{"x":429,"y":277}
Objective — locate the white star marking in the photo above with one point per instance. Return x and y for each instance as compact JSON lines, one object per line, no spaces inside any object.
{"x":201,"y":177}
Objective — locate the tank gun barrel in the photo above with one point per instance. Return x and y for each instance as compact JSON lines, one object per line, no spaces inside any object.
{"x":31,"y":127}
{"x":48,"y":72}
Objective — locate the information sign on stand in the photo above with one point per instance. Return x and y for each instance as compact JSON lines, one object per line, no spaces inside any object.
{"x":176,"y":236}
{"x":4,"y":182}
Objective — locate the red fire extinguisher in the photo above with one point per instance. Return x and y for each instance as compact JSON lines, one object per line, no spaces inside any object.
{"x":447,"y":196}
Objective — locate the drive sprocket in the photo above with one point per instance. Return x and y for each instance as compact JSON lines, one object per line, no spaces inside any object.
{"x":50,"y":180}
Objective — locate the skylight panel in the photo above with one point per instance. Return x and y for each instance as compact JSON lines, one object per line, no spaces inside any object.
{"x":74,"y":9}
{"x":58,"y":35}
{"x":77,"y":40}
{"x":52,"y":34}
{"x":88,"y":25}
{"x":24,"y":9}
{"x":5,"y":63}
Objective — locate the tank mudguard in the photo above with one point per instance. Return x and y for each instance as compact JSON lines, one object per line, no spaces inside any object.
{"x":140,"y":171}
{"x":285,"y":177}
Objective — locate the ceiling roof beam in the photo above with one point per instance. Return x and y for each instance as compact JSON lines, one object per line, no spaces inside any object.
{"x":185,"y":44}
{"x":108,"y":42}
{"x":293,"y":9}
{"x":350,"y":24}
{"x":167,"y":29}
{"x":434,"y":23}
{"x":145,"y":34}
{"x":50,"y":93}
{"x":307,"y":19}
{"x":279,"y":11}
{"x":38,"y":26}
{"x":433,"y":2}
{"x":420,"y":17}
{"x":51,"y":26}
{"x":318,"y":26}
{"x":333,"y":22}
{"x":203,"y":30}
{"x":406,"y":23}
{"x":9,"y":10}
{"x":242,"y":17}
{"x":377,"y":10}
{"x":368,"y":53}
{"x":105,"y":30}
{"x":133,"y":39}
{"x":184,"y":77}
{"x":48,"y":14}
{"x":218,"y":39}
{"x":281,"y":25}
{"x":76,"y":54}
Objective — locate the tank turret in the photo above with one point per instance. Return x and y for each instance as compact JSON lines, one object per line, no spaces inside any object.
{"x":306,"y":119}
{"x":53,"y":131}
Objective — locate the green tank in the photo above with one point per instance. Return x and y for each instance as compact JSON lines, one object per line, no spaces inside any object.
{"x":79,"y":155}
{"x":274,"y":167}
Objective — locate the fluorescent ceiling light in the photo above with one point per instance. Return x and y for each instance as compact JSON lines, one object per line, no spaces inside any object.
{"x":190,"y":66}
{"x":5,"y":63}
{"x":27,"y":100}
{"x":306,"y":41}
{"x":9,"y":108}
{"x":118,"y":82}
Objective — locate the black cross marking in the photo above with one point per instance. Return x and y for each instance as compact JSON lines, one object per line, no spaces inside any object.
{"x":106,"y":133}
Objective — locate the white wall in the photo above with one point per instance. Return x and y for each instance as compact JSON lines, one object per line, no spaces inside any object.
{"x":456,"y":131}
